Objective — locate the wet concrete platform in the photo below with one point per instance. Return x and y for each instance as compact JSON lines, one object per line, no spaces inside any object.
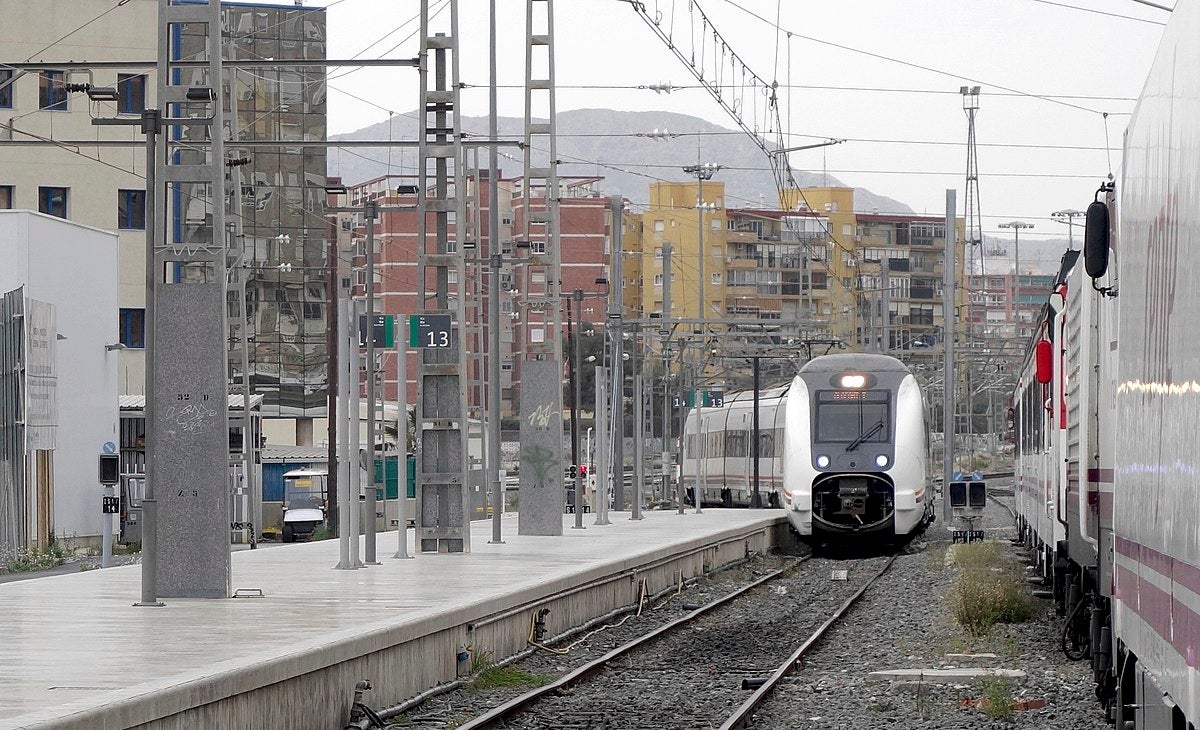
{"x":75,"y":652}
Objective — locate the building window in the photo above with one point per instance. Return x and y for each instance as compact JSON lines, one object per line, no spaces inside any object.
{"x":52,"y":91}
{"x":53,"y":201}
{"x":133,"y":328}
{"x":6,"y":197}
{"x":131,"y":209}
{"x":6,"y":89}
{"x":131,"y":88}
{"x":658,"y":280}
{"x":716,"y":279}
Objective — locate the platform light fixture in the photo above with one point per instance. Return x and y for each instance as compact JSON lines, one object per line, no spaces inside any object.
{"x":200,"y":93}
{"x":103,"y":93}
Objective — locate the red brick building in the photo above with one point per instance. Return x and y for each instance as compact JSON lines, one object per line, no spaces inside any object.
{"x":584,"y":216}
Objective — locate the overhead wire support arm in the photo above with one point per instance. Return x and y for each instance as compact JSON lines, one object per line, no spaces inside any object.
{"x":730,"y":96}
{"x":348,"y":143}
{"x":225,"y":63}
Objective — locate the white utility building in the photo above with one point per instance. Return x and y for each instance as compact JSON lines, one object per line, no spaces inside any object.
{"x":58,"y":376}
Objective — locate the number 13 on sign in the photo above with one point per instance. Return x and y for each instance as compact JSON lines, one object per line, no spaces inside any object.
{"x":429,"y":330}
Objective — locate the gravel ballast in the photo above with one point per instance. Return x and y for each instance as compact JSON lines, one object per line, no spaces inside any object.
{"x":905,"y":621}
{"x":691,"y":679}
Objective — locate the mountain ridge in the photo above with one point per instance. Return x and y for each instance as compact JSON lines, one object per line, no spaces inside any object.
{"x":616,"y":145}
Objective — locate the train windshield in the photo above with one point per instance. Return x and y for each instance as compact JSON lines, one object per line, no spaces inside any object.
{"x":853,"y":416}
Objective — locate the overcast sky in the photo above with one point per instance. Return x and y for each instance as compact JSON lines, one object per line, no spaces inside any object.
{"x":905,"y":125}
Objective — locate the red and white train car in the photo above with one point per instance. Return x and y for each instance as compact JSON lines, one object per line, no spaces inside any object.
{"x":1107,"y":413}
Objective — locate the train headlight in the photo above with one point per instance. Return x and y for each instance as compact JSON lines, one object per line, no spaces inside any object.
{"x":881,"y":460}
{"x":822,"y":461}
{"x":854,"y":381}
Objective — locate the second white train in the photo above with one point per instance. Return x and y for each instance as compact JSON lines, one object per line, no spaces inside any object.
{"x":844,"y":448}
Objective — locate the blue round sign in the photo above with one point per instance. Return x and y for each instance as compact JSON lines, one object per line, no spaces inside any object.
{"x":109,"y":447}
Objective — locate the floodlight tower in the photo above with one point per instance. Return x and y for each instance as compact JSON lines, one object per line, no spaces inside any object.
{"x":973,"y":247}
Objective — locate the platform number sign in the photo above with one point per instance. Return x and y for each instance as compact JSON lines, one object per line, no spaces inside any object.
{"x":429,"y":330}
{"x":382,"y":330}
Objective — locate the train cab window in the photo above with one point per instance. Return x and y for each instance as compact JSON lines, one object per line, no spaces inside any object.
{"x":845,"y":416}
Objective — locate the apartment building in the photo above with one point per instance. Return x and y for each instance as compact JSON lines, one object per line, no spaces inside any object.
{"x":814,"y":264}
{"x":274,"y":195}
{"x":585,"y":234}
{"x":1006,"y":306}
{"x":900,"y":274}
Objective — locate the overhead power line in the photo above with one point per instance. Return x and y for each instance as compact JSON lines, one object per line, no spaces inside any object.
{"x":1101,"y":12}
{"x":891,"y":59}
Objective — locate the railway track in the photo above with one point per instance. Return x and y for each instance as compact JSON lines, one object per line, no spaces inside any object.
{"x":691,"y":671}
{"x":745,"y":712}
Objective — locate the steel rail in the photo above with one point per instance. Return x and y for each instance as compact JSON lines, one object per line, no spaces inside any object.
{"x":515,"y":706}
{"x":741,"y":717}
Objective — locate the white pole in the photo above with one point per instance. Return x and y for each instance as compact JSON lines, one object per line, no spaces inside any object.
{"x":401,"y":438}
{"x":701,"y":461}
{"x":602,"y":462}
{"x":342,"y":429}
{"x":586,"y":456}
{"x":355,"y":381}
{"x":106,"y":548}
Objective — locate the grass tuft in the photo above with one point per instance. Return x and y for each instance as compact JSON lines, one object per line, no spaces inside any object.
{"x":494,"y":677}
{"x":997,"y":701}
{"x":489,"y":676}
{"x":41,"y":557}
{"x":987,"y":591}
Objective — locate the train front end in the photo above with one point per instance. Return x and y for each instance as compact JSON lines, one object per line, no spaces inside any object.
{"x":855,"y":461}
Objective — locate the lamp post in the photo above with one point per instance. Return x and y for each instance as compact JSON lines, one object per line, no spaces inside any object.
{"x":150,"y":122}
{"x":1015,"y":294}
{"x":1070,"y":214}
{"x":371,"y":211}
{"x":702,"y":171}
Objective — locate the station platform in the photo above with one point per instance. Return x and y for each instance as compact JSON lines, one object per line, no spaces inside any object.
{"x":75,"y":652}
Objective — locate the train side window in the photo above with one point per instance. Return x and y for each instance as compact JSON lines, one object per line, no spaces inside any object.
{"x":735,"y":443}
{"x":766,"y":445}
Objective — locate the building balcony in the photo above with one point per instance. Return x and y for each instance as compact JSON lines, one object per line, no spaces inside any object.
{"x":742,"y":237}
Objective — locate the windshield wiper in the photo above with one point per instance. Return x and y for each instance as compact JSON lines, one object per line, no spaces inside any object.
{"x":865,"y":435}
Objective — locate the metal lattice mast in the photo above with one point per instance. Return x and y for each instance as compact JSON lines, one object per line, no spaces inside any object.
{"x":541,"y":495}
{"x":973,"y":246}
{"x":186,"y":374}
{"x":441,"y":410}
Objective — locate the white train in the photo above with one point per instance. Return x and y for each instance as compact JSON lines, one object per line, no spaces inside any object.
{"x":844,"y":448}
{"x":1107,"y":414}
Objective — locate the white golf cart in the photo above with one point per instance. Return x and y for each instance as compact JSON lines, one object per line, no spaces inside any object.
{"x":303,"y":502}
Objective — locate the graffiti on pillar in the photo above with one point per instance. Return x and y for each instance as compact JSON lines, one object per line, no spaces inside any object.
{"x":540,"y":460}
